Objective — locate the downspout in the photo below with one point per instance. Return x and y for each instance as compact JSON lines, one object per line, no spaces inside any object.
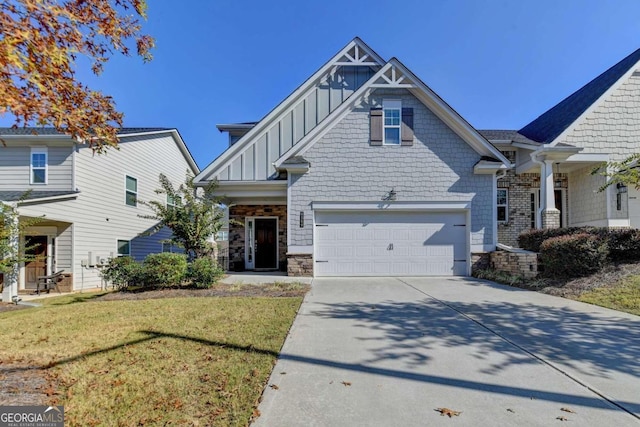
{"x":499,"y":174}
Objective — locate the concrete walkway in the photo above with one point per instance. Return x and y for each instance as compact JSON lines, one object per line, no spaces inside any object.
{"x":386,"y":352}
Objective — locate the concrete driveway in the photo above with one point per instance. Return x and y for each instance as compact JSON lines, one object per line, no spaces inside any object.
{"x":388,"y":352}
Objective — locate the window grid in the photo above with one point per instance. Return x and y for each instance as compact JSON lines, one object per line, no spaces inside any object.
{"x":131,"y":191}
{"x":502,"y":203}
{"x":38,"y":167}
{"x":392,"y":119}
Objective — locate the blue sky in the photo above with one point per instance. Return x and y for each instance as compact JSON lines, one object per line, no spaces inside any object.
{"x":499,"y":63}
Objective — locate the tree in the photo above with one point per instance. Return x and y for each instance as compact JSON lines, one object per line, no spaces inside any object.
{"x":12,"y":251}
{"x":193,"y":215}
{"x":625,"y":172}
{"x":40,"y":41}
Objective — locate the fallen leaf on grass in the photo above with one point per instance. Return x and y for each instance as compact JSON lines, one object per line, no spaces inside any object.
{"x":448,"y":412}
{"x":273,"y":386}
{"x":345,"y":383}
{"x":283,"y":373}
{"x":567,"y":410}
{"x":562,"y":418}
{"x":256,"y":413}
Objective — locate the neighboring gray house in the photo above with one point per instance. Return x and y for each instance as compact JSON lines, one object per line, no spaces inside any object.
{"x":89,"y":202}
{"x":362,"y":170}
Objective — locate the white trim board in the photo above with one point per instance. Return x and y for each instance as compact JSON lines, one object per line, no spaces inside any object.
{"x":391,"y":206}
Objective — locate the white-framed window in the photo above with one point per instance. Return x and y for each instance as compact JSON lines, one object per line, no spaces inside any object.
{"x":131,"y":191}
{"x":222,"y":236}
{"x":502,"y":203}
{"x":391,"y":121}
{"x":124,"y":247}
{"x":173,"y":202}
{"x":38,"y":166}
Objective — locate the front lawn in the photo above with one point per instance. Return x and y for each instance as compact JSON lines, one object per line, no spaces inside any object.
{"x":180,"y":361}
{"x":622,"y":296}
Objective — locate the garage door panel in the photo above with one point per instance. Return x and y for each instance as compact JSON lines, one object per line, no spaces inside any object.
{"x":390,"y":243}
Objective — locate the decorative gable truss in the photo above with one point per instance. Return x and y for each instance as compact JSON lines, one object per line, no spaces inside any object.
{"x":394,"y":75}
{"x":251,"y":158}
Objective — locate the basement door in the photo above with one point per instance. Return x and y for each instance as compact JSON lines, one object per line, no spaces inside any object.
{"x":390,"y":243}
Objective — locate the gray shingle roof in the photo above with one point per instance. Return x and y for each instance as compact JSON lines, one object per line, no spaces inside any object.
{"x":14,"y":196}
{"x":505,"y":135}
{"x":295,"y":160}
{"x":52,"y":131}
{"x":552,"y":123}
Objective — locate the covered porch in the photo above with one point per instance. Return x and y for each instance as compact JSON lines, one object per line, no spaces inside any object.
{"x":556,"y":188}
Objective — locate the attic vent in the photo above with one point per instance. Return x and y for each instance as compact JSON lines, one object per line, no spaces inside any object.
{"x":636,"y":73}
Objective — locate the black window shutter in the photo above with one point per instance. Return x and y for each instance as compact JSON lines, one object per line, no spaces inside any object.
{"x":375,"y":131}
{"x":407,"y":127}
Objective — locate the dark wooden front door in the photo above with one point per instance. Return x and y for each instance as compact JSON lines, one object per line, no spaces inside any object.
{"x":36,"y":264}
{"x":266,"y":243}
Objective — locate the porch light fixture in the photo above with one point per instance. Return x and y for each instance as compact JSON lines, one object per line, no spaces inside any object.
{"x":621,"y":188}
{"x":390,"y":196}
{"x":557,"y":183}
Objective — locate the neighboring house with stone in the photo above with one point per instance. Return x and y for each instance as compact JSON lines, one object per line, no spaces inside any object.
{"x":362,"y":170}
{"x":551,"y":184}
{"x":89,"y":203}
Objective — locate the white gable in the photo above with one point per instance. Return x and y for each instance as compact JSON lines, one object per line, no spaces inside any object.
{"x":252,"y":157}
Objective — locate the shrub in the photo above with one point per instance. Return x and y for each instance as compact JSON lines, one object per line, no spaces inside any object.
{"x":624,"y":244}
{"x":122,"y":272}
{"x":573,"y":255}
{"x":532,"y":240}
{"x":204,"y":272}
{"x":164,"y":269}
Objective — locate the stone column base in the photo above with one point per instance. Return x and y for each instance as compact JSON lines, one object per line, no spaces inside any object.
{"x":300,"y":265}
{"x":551,"y":218}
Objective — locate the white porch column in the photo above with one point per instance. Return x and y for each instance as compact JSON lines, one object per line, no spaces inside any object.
{"x":550,"y":214}
{"x":10,"y":288}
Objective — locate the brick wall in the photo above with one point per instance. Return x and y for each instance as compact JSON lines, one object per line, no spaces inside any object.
{"x":300,"y":265}
{"x":519,"y":203}
{"x":238,"y":215}
{"x":515,"y":263}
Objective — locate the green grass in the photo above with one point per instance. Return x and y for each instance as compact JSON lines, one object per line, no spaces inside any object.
{"x":173,"y":361}
{"x":623,"y":296}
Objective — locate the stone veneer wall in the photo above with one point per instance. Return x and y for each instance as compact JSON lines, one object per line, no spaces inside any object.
{"x":519,"y":202}
{"x":300,"y":265}
{"x":523,"y":263}
{"x":237,"y":231}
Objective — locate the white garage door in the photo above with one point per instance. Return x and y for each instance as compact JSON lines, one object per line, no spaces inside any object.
{"x":390,"y":244}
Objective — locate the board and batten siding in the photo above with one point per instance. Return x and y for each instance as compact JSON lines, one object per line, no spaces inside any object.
{"x":15,"y":168}
{"x":100,"y":216}
{"x":255,"y":162}
{"x":438,"y":167}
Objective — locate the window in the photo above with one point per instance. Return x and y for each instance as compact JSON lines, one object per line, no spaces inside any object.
{"x":172,"y":202}
{"x":502,"y":204}
{"x":167,"y":247}
{"x":38,"y":166}
{"x":124,"y":248}
{"x":131,"y":196}
{"x":222,"y":236}
{"x":392,"y":114}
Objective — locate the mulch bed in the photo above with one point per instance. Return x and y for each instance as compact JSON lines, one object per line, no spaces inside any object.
{"x":606,"y":277}
{"x":271,"y":291}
